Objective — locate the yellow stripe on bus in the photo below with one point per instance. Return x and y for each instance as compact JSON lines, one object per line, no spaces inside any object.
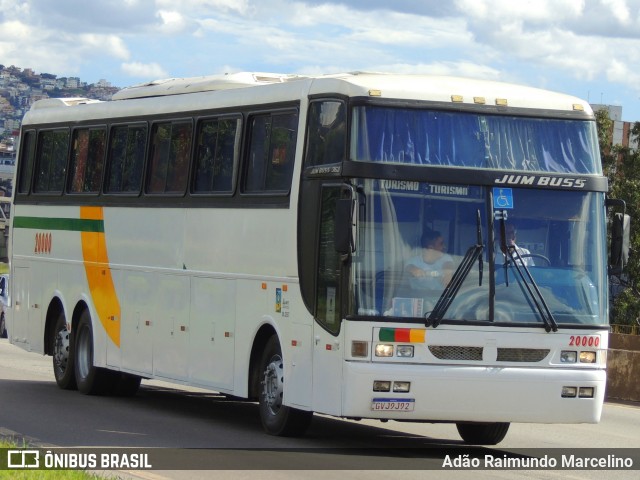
{"x":96,"y":264}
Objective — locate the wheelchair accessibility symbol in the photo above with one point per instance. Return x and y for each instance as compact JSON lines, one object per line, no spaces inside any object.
{"x":502,"y":198}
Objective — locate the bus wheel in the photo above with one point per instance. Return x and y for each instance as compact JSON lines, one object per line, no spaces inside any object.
{"x":62,"y":353}
{"x":278,"y":419}
{"x":483,"y":433}
{"x":91,"y":380}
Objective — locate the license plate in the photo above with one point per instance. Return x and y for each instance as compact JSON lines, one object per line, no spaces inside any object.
{"x":393,"y":404}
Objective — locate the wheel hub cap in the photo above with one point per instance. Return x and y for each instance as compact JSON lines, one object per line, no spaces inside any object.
{"x":273,"y":384}
{"x":61,"y":349}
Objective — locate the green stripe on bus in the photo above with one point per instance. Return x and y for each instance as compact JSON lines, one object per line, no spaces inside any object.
{"x":387,"y":335}
{"x":70,"y":224}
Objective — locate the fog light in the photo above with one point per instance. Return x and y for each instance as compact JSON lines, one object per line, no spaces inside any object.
{"x":381,"y":385}
{"x":401,"y":387}
{"x":587,"y":357}
{"x":384,"y":350}
{"x":359,"y":349}
{"x":569,"y":392}
{"x":404,"y":350}
{"x":567,"y":356}
{"x":586,"y":392}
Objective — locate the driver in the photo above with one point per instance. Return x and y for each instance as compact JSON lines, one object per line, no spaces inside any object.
{"x":511,"y":242}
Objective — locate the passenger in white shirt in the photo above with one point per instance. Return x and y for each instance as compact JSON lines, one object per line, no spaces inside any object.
{"x":511,"y":242}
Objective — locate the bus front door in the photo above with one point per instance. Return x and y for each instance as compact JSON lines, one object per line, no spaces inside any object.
{"x":328,"y":347}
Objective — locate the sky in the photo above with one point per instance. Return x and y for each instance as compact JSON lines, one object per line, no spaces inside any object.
{"x":587,"y":48}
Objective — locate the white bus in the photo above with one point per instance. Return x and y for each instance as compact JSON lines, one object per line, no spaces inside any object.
{"x":251,"y":234}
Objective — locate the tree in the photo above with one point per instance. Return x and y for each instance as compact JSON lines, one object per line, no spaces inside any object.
{"x":622,"y":167}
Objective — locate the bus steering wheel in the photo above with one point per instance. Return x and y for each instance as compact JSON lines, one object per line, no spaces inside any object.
{"x":536,"y":255}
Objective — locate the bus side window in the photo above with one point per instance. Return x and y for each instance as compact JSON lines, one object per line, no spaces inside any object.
{"x":27,"y":156}
{"x":53,"y":147}
{"x":326,"y":133}
{"x":87,"y":158}
{"x":170,"y":154}
{"x":216,"y":153}
{"x":126,"y":158}
{"x":272,"y":153}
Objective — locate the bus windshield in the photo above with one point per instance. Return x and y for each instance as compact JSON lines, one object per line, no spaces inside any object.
{"x":412,"y":237}
{"x":458,"y":139}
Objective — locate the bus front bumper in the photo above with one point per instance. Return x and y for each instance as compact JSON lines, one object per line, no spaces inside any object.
{"x":473,"y":393}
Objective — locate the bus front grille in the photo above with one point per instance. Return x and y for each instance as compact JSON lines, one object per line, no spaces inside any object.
{"x":519,"y":355}
{"x":529,"y":355}
{"x":456,"y":352}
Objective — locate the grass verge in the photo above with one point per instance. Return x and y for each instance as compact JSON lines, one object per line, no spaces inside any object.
{"x":47,"y":474}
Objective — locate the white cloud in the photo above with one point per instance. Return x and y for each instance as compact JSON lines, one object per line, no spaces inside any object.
{"x":172,"y":22}
{"x":114,"y":16}
{"x":60,"y":53}
{"x":538,"y":11}
{"x":619,"y":10}
{"x":406,"y":30}
{"x":16,"y":30}
{"x":448,"y":68}
{"x":197,"y":7}
{"x":13,"y":8}
{"x":110,"y":45}
{"x":146,"y":71}
{"x":617,"y":71}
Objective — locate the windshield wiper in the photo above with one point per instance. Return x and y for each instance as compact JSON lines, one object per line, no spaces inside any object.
{"x":453,"y":287}
{"x":535,"y":295}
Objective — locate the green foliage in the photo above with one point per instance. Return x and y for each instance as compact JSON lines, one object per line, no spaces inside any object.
{"x":622,"y":167}
{"x":48,"y":475}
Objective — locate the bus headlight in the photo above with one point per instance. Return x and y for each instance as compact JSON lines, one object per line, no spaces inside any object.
{"x":569,"y":392}
{"x":401,"y":387}
{"x":568,"y":356}
{"x":586,"y":392}
{"x":384,"y":350}
{"x":587,"y":357}
{"x":404,"y":351}
{"x":381,"y":385}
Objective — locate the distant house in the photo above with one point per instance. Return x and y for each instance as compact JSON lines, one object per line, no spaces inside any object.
{"x":621,"y":129}
{"x":73,"y":82}
{"x":48,"y":83}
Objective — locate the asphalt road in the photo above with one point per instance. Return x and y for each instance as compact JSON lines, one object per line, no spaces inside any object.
{"x":33,"y":408}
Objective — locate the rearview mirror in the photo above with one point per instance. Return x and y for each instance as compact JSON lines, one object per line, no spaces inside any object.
{"x":620,"y":232}
{"x":619,"y":254}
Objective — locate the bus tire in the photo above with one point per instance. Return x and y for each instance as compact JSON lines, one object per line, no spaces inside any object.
{"x":62,"y":354}
{"x":483,"y":433}
{"x":90,"y":379}
{"x":278,"y":419}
